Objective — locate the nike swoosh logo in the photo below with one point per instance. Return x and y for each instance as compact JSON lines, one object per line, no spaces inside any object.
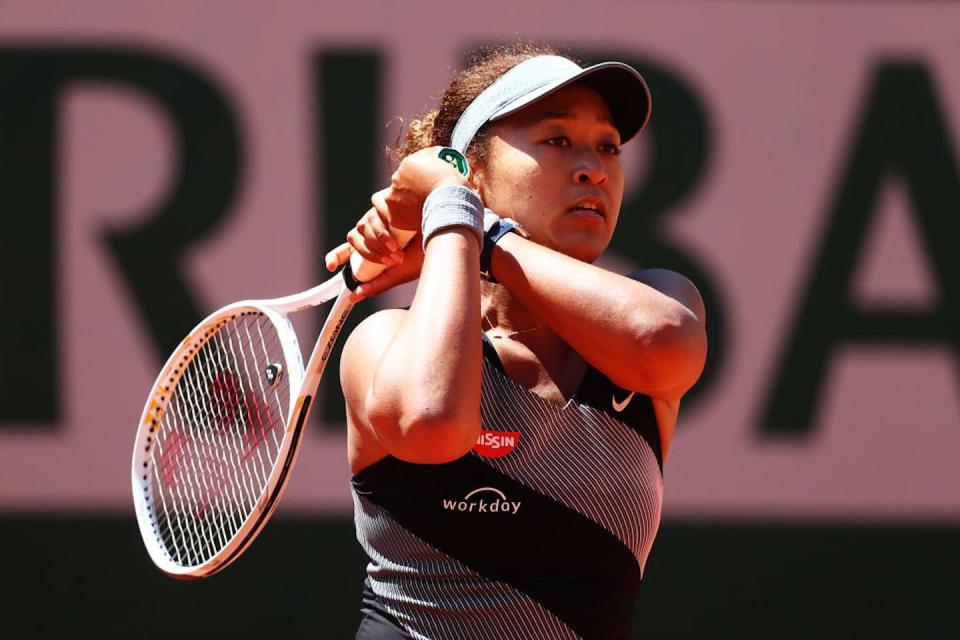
{"x":620,"y":406}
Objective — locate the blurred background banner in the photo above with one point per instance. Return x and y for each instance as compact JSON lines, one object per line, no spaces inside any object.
{"x":801,"y":166}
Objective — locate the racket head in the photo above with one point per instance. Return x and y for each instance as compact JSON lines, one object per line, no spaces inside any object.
{"x":216,"y":439}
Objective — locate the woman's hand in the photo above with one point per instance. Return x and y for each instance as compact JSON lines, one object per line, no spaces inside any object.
{"x":372,"y":237}
{"x":418,"y":175}
{"x":399,"y":206}
{"x":374,"y":241}
{"x":406,"y":268}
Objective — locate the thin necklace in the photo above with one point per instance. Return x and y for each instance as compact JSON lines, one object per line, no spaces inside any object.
{"x":510,"y":334}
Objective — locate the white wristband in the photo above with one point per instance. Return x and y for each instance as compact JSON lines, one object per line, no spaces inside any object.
{"x":452,"y":205}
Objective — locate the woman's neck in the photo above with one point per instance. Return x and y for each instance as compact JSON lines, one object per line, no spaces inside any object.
{"x":506,"y":317}
{"x":526,"y":339}
{"x":502,"y":313}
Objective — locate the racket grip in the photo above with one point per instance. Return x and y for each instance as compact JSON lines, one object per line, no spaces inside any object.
{"x":364,"y":270}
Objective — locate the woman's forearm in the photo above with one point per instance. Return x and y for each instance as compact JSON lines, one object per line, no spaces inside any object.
{"x":646,"y":339}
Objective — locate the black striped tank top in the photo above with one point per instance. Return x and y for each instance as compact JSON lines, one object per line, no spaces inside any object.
{"x":541,"y":532}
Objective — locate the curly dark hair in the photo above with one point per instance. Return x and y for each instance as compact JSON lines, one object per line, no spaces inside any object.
{"x":435,"y":127}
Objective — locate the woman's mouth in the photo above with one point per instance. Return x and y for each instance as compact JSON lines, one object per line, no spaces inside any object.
{"x":589,"y":208}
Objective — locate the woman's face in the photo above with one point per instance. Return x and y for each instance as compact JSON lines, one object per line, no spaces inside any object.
{"x":554,"y":167}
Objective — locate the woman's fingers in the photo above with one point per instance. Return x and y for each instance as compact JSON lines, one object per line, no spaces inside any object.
{"x":374,"y":234}
{"x":386,"y":280}
{"x":362,"y":245}
{"x":397,"y":210}
{"x":379,"y":220}
{"x":405,"y":272}
{"x":338,"y":257}
{"x":372,"y":239}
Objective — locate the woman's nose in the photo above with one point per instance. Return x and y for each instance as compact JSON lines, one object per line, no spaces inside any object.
{"x":589,"y":170}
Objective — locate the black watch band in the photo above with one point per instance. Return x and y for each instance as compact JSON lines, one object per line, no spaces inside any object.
{"x":497,"y":230}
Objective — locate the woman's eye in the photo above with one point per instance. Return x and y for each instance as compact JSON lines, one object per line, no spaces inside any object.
{"x":611,"y":148}
{"x":559,"y":141}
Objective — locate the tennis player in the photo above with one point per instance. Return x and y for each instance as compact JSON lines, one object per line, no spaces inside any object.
{"x":507,"y":431}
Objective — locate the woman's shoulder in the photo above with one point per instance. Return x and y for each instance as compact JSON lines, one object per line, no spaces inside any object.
{"x":674,"y":285}
{"x":370,"y":338}
{"x":380,"y":320}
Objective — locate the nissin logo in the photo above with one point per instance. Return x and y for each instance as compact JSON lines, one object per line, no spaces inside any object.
{"x":496,"y":444}
{"x":483,"y":500}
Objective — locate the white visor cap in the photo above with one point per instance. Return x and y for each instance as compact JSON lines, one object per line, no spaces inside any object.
{"x":623,"y":88}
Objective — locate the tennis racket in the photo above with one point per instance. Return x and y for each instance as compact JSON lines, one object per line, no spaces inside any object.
{"x":221,"y":427}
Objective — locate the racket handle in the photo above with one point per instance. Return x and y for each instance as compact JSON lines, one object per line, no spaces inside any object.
{"x":364,"y":270}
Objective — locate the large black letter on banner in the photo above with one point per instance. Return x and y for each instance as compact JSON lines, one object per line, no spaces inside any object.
{"x":31,"y":83}
{"x":903,"y":134}
{"x":679,"y":140}
{"x":348,"y":98}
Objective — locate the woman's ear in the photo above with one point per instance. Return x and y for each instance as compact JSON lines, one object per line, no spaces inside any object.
{"x":476,"y":181}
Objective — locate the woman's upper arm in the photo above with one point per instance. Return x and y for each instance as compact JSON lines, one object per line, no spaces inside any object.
{"x":689,"y":356}
{"x":382,"y":402}
{"x":361,"y":355}
{"x":676,"y":286}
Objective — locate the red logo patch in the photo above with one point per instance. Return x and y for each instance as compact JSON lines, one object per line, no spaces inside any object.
{"x":496,"y":444}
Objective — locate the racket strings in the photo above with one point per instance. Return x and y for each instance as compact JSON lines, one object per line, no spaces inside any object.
{"x":219,"y":438}
{"x":192,"y":414}
{"x":204,"y":455}
{"x":210,"y":470}
{"x":232,"y":407}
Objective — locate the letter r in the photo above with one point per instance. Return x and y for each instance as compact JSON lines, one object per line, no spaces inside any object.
{"x":149,"y":256}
